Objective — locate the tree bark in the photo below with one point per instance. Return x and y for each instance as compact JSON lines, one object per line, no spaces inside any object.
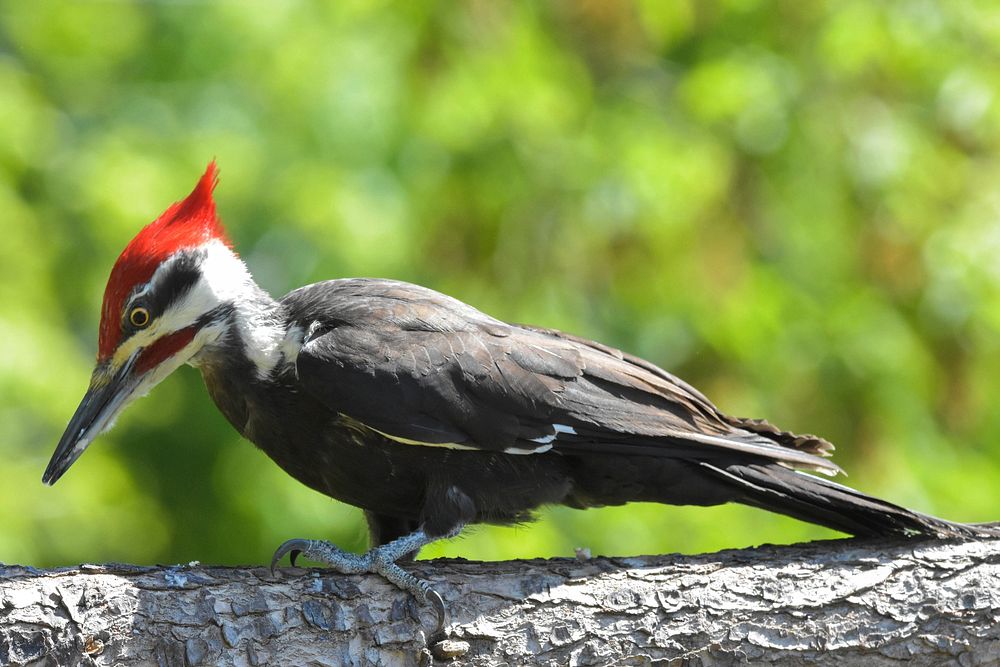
{"x":845,"y":602}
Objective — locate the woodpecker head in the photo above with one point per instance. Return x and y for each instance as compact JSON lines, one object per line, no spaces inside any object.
{"x":171,"y":293}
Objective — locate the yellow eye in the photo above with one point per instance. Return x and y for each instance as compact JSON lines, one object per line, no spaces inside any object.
{"x":139,"y":317}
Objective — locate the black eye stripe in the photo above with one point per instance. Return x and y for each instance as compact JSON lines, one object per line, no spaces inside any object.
{"x":169,"y":288}
{"x":174,"y":285}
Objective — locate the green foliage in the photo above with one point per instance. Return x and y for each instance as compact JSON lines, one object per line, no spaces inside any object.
{"x":792,"y":205}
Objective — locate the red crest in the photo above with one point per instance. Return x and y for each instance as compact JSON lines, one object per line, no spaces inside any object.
{"x":186,"y":224}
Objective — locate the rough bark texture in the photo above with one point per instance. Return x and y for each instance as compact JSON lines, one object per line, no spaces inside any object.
{"x":844,"y":602}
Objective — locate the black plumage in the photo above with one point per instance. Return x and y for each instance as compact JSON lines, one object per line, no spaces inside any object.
{"x":385,"y":365}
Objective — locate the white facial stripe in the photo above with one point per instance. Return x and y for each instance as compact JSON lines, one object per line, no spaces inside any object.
{"x":179,"y":315}
{"x":142,"y":292}
{"x":224,"y":274}
{"x":224,"y":279}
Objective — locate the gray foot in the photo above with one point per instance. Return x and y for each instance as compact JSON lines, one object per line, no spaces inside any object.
{"x":380,"y":560}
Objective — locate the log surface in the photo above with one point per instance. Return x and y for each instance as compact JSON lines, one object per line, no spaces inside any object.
{"x":844,"y":602}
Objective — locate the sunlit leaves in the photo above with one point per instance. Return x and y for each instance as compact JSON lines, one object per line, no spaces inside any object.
{"x":794,"y":205}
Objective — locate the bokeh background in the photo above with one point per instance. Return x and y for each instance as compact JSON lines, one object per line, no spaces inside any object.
{"x":795,"y":206}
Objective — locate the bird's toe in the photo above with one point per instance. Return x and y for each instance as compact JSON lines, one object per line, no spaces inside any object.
{"x":291,"y":547}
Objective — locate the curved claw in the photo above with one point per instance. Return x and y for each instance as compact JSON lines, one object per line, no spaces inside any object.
{"x":292,"y":547}
{"x":433,"y":598}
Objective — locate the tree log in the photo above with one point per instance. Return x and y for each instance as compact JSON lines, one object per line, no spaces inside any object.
{"x":843,"y":602}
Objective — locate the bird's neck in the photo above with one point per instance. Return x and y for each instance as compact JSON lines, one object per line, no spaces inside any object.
{"x":254,"y":327}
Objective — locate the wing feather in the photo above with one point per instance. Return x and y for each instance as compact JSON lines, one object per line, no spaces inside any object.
{"x":422,"y":367}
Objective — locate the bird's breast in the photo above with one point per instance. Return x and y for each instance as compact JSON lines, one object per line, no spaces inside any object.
{"x":344,"y":459}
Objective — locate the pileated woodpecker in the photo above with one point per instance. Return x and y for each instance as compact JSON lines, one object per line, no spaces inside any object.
{"x":427,"y":413}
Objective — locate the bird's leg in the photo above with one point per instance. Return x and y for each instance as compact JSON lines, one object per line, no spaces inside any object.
{"x":379,"y":560}
{"x":320,"y":551}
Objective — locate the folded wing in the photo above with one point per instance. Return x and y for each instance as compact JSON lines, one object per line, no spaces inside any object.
{"x":425,"y":369}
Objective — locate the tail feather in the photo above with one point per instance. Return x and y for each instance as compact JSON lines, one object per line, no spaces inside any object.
{"x":803,"y":496}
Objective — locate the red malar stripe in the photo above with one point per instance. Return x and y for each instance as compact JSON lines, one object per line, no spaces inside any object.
{"x":164,"y":348}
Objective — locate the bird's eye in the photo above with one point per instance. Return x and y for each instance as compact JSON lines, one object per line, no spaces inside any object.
{"x":139,"y":317}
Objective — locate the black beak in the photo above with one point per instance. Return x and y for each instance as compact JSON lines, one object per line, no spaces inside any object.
{"x":97,"y":412}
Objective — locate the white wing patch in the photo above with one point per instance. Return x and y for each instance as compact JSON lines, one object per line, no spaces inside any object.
{"x":558,"y":428}
{"x":545,"y":440}
{"x":518,"y":450}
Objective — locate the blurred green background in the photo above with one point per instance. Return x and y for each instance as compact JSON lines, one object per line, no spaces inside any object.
{"x":795,"y":206}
